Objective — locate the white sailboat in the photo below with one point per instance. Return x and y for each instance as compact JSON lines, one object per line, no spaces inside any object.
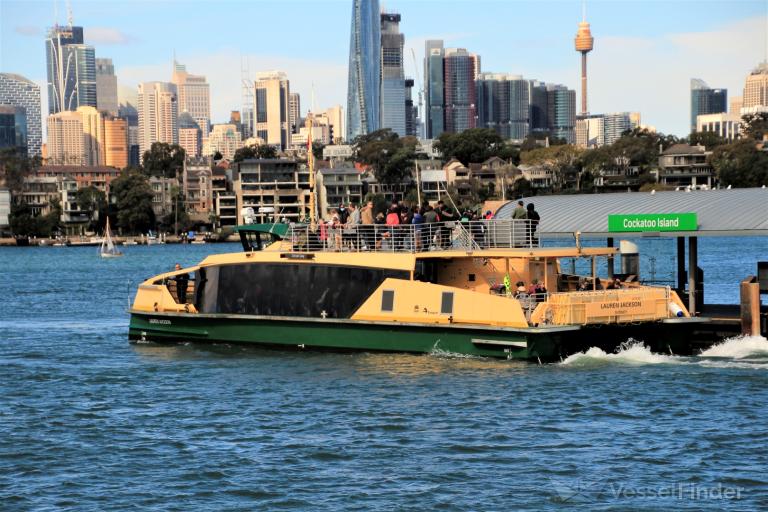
{"x":108,"y":249}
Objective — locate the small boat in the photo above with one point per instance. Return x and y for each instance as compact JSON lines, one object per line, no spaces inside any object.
{"x":108,"y":249}
{"x":130,"y":241}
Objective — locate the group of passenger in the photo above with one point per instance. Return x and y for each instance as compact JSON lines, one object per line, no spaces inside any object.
{"x":585,"y":285}
{"x":529,"y":213}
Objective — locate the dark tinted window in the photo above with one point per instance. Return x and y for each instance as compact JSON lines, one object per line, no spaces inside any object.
{"x":388,"y":300}
{"x":446,"y":305}
{"x":294,"y":289}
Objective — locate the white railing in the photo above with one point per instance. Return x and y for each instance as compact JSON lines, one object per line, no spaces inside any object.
{"x":439,"y":236}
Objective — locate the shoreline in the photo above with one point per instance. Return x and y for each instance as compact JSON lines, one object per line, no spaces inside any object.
{"x":77,"y":241}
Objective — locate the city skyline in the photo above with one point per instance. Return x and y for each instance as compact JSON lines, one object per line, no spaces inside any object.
{"x":720,"y":44}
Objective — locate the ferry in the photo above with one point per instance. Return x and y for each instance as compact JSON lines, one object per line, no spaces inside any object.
{"x":485,"y":288}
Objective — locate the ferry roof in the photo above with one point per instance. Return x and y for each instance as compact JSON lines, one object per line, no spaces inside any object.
{"x":722,"y":212}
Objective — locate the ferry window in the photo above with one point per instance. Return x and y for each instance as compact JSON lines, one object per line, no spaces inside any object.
{"x":471,"y":278}
{"x":446,"y":305}
{"x":388,"y":300}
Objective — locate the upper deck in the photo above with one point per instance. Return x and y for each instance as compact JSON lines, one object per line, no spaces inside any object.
{"x":506,"y":237}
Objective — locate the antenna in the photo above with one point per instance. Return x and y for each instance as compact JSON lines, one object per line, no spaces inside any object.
{"x":313,"y":97}
{"x":69,"y":13}
{"x":56,"y":13}
{"x":584,"y":10}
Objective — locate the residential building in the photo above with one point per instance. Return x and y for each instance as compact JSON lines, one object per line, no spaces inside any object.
{"x":340,"y":185}
{"x":158,"y":114}
{"x":294,"y":111}
{"x":39,"y":193}
{"x":5,"y":207}
{"x":65,"y":139}
{"x":278,"y":184}
{"x":503,"y":104}
{"x":539,"y":176}
{"x":225,"y":139}
{"x":71,"y":67}
{"x":162,"y":195}
{"x":618,"y":176}
{"x":705,"y":100}
{"x":338,"y":154}
{"x":93,"y":135}
{"x":13,"y":128}
{"x":198,"y":189}
{"x":617,"y":123}
{"x":460,"y":70}
{"x":682,"y":165}
{"x":99,"y":177}
{"x":190,"y":135}
{"x":363,"y":86}
{"x":727,"y":126}
{"x":194,"y":95}
{"x":106,"y":86}
{"x":17,"y":91}
{"x":561,"y":112}
{"x":73,"y":218}
{"x":392,"y":110}
{"x":116,"y":142}
{"x":434,"y":89}
{"x":756,"y":88}
{"x":272,"y":92}
{"x":590,"y":131}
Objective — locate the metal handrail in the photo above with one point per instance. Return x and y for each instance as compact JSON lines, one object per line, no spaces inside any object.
{"x":439,"y":236}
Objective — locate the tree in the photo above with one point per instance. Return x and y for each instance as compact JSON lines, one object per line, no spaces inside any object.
{"x":565,"y":161}
{"x":390,"y":156}
{"x":249,"y":152}
{"x":317,"y":149}
{"x":164,"y":160}
{"x":471,"y":146}
{"x":740,"y":164}
{"x":91,"y":200}
{"x":754,"y":126}
{"x":14,"y":167}
{"x":709,"y":140}
{"x":133,"y":196}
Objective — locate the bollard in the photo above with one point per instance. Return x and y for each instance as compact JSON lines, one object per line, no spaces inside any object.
{"x":750,"y":307}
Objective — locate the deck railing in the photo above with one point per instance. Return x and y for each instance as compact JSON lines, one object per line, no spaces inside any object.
{"x":439,"y":236}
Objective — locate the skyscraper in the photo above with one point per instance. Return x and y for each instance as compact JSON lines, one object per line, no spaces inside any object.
{"x":460,"y":69}
{"x":434,"y":82}
{"x":539,"y":109}
{"x":65,"y":139}
{"x":194,"y":96}
{"x":190,"y":135}
{"x":756,"y":89}
{"x":71,"y":69}
{"x":561,"y":106}
{"x":411,"y":110}
{"x":93,"y":135}
{"x":115,"y":142}
{"x":503,"y":104}
{"x":392,"y":75}
{"x":158,"y":114}
{"x":17,"y":91}
{"x":272,"y":92}
{"x":106,"y":86}
{"x":294,"y":111}
{"x":131,"y":115}
{"x":13,"y":128}
{"x":363,"y":87}
{"x":705,"y":100}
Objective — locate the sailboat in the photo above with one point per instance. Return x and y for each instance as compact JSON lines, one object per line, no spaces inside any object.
{"x":108,"y":249}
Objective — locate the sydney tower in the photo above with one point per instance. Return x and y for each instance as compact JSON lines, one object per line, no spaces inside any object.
{"x":584,"y":44}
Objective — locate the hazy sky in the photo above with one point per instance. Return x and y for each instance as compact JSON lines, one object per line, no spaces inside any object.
{"x":645,"y":52}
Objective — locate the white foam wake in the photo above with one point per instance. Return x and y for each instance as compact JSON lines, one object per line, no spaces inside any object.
{"x":632,"y":352}
{"x":738,"y":347}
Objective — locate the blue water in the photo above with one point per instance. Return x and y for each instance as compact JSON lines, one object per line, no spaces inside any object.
{"x":91,"y":422}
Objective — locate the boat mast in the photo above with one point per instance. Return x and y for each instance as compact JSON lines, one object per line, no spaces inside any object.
{"x":311,"y":164}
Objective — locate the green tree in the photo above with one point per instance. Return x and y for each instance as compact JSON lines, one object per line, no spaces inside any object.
{"x":740,"y":164}
{"x":262,"y":151}
{"x":14,"y":167}
{"x":565,"y":161}
{"x":390,"y":156}
{"x":91,"y":200}
{"x":754,"y":126}
{"x":133,"y":198}
{"x":317,"y":149}
{"x":709,"y":140}
{"x":164,"y":160}
{"x":471,"y":146}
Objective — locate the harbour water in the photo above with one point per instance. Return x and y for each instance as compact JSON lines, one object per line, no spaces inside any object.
{"x":91,"y":422}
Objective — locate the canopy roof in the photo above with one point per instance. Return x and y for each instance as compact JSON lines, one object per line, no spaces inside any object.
{"x":723,"y":212}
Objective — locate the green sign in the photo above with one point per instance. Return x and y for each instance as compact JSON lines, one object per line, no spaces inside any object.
{"x":652,"y":222}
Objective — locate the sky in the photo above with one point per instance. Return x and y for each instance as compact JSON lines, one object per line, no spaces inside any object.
{"x":645,"y":52}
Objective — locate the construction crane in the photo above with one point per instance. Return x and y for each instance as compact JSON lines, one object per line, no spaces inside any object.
{"x":420,"y":84}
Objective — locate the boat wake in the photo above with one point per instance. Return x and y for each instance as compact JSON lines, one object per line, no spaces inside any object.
{"x":738,"y":352}
{"x":630,"y":352}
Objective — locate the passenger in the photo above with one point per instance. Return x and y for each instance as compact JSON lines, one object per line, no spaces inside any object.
{"x":380,"y":230}
{"x":617,"y":284}
{"x":343,"y":214}
{"x":429,"y":231}
{"x":489,"y":215}
{"x":533,"y":223}
{"x":351,"y":236}
{"x":393,"y":221}
{"x":367,"y":228}
{"x":446,"y":215}
{"x":417,"y":221}
{"x":519,"y":212}
{"x":182,"y":282}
